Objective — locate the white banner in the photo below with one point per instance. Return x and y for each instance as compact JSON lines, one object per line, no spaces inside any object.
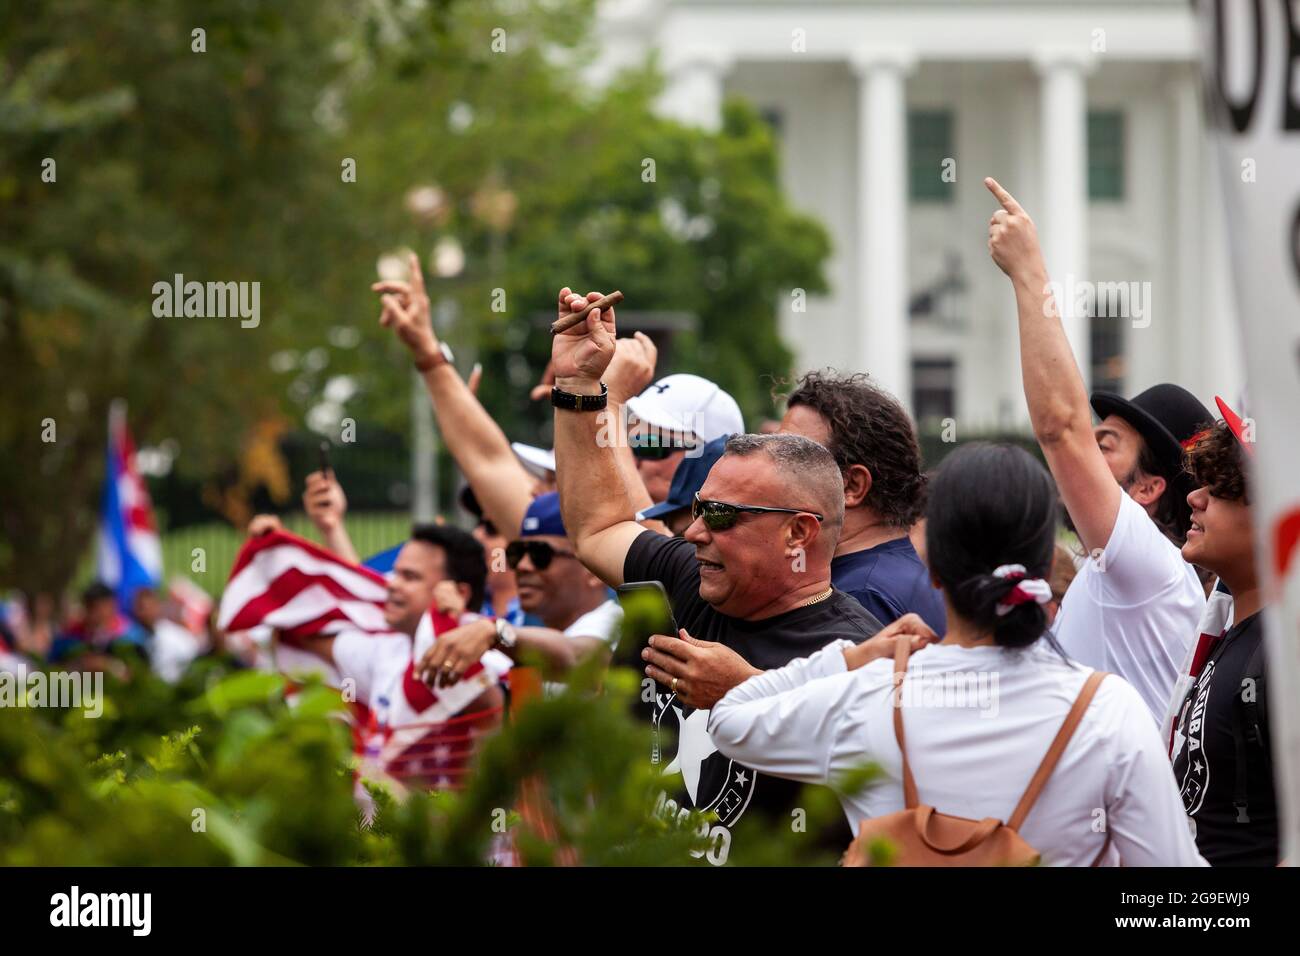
{"x":1252,"y":78}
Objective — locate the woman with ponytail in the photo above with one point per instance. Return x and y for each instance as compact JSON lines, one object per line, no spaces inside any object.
{"x":982,"y":706}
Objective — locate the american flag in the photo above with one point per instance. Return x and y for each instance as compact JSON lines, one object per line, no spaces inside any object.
{"x":282,"y":581}
{"x":420,"y":734}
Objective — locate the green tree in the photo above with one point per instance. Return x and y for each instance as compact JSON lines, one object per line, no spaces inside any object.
{"x":232,"y":164}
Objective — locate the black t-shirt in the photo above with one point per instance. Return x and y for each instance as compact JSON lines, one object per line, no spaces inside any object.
{"x":709,"y":781}
{"x":1223,"y":719}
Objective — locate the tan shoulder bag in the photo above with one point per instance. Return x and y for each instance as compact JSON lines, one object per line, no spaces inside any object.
{"x":921,"y":836}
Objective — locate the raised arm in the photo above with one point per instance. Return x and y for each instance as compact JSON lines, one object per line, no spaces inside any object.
{"x":500,"y":482}
{"x":599,"y":513}
{"x":1054,"y":387}
{"x":325,"y":504}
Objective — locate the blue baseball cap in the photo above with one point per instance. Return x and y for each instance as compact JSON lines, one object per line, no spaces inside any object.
{"x":687,"y":480}
{"x":543,"y":517}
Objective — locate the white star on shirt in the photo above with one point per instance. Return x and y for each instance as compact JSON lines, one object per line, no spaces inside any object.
{"x":1197,"y":766}
{"x":694,"y":746}
{"x":741,"y":778}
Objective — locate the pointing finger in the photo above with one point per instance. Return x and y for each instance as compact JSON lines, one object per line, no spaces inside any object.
{"x":1008,"y":201}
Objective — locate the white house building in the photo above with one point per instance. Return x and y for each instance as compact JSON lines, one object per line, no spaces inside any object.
{"x":889,"y":113}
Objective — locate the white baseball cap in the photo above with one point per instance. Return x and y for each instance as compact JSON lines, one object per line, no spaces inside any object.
{"x":538,"y":461}
{"x":688,"y":404}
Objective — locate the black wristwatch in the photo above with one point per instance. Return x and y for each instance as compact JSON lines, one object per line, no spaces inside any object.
{"x":572,"y":402}
{"x":506,"y":637}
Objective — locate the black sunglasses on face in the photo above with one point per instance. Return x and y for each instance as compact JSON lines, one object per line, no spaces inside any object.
{"x":719,"y":515}
{"x":539,"y":553}
{"x":655,"y":452}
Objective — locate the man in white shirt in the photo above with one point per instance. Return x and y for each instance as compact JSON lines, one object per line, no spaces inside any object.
{"x":1135,"y":604}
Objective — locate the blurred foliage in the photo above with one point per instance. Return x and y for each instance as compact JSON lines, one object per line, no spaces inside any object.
{"x":227,"y":165}
{"x":220,"y":770}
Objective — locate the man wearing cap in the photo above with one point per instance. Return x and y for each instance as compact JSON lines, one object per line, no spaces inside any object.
{"x":1135,"y":604}
{"x":1223,"y":760}
{"x":675,"y":416}
{"x":578,"y":616}
{"x":675,"y":511}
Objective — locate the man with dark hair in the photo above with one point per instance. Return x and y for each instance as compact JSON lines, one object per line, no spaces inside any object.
{"x":875,"y":447}
{"x":1135,"y":603}
{"x":463,"y":559}
{"x":1223,"y":761}
{"x":751,"y":576}
{"x":440,"y":568}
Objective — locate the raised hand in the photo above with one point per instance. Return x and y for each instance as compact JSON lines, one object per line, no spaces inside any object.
{"x":581,"y":355}
{"x":632,"y":368}
{"x":406,"y":312}
{"x":1013,"y":238}
{"x":324,"y":501}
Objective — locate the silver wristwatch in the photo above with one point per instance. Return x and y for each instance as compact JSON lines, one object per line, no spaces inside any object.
{"x":506,"y":636}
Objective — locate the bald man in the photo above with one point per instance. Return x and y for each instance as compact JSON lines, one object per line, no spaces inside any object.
{"x":749,"y":583}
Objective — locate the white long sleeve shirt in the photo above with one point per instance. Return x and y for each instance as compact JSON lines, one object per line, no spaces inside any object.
{"x":978,"y":721}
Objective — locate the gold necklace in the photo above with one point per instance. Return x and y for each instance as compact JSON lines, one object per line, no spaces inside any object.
{"x":819,"y":598}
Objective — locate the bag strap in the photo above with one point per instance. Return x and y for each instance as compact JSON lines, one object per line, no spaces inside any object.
{"x":1039,"y":779}
{"x":903,"y":648}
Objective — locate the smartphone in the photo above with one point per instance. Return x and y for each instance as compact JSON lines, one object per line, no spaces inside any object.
{"x":325,"y":465}
{"x":646,"y":611}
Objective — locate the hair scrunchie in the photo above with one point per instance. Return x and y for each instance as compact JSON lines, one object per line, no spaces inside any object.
{"x":1027,"y":589}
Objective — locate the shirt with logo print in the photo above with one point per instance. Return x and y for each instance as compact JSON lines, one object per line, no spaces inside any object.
{"x":1223,"y":724}
{"x":697,"y":776}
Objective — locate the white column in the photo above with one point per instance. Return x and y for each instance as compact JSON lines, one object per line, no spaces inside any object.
{"x":1185,"y":153}
{"x":883,"y":347}
{"x":693,"y":93}
{"x":1063,"y":220}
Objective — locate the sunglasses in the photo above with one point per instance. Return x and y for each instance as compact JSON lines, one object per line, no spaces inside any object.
{"x":539,"y":553}
{"x":719,"y":515}
{"x":656,"y":452}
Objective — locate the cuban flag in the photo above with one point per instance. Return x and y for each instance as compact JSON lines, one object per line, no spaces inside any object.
{"x":130,"y":552}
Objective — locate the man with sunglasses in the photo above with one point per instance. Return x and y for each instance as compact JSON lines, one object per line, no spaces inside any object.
{"x":673,"y":417}
{"x":749,"y":583}
{"x":578,"y":617}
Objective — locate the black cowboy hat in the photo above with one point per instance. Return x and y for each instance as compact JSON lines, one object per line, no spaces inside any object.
{"x":1166,"y":416}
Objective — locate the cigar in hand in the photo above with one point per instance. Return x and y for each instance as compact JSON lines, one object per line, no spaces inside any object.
{"x":569,"y":321}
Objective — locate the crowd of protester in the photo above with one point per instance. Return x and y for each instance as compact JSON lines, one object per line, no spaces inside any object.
{"x":1082,"y":705}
